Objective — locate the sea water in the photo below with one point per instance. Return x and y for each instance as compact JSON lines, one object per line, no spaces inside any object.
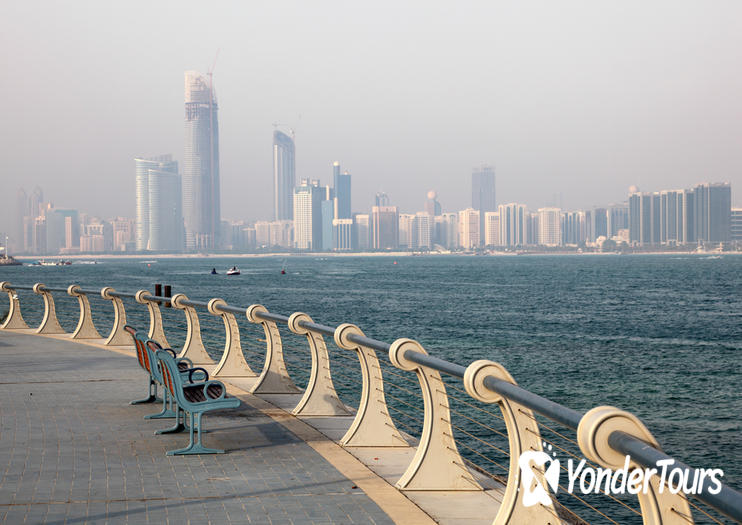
{"x":657,"y":335}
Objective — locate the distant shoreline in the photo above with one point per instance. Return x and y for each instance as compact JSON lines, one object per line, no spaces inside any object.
{"x":151,"y":256}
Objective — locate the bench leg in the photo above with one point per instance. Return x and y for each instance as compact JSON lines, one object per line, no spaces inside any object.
{"x":166,"y":412}
{"x":151,"y":398}
{"x":179,"y":425}
{"x":194,"y":448}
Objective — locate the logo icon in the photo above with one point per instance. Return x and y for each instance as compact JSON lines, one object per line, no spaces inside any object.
{"x":534,"y":462}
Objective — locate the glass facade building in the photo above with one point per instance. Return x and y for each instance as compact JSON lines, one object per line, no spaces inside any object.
{"x":201,"y":192}
{"x":284,"y":176}
{"x":483,"y":192}
{"x":159,"y":219}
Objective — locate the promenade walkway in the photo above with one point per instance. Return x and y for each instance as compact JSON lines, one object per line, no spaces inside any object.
{"x":72,"y":450}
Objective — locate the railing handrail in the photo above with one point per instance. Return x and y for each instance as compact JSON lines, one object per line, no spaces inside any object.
{"x":727,"y":501}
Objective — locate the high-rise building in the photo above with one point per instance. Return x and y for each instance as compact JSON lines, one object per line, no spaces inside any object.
{"x":469,"y":229}
{"x":406,"y":225}
{"x":284,"y":176}
{"x":513,"y":227}
{"x":447,"y":230}
{"x":341,"y":183}
{"x":573,"y":228}
{"x":422,"y":231}
{"x":363,"y":231}
{"x":483,"y":192}
{"x":342,"y":235}
{"x":618,"y":219}
{"x":491,"y":228}
{"x":735,"y":229}
{"x":432,"y":206}
{"x":308,"y":198}
{"x":671,"y":217}
{"x":159,"y":221}
{"x":713,"y":206}
{"x":596,"y":223}
{"x":550,"y":227}
{"x":644,"y":218}
{"x":329,"y":206}
{"x":381,"y":199}
{"x":201,"y":193}
{"x":62,"y":231}
{"x":384,"y":227}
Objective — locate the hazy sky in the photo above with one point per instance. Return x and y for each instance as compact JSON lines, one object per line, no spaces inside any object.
{"x":571,"y":101}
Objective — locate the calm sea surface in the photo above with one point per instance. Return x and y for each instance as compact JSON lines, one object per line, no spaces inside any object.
{"x":660,"y":336}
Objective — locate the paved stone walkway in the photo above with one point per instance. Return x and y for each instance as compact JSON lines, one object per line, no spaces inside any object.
{"x":72,"y":450}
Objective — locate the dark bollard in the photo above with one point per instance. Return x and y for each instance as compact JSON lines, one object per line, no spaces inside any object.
{"x":158,"y":291}
{"x":168,"y":293}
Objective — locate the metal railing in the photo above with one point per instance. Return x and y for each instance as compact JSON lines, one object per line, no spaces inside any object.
{"x":604,"y":436}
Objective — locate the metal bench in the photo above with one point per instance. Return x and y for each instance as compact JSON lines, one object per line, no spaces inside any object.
{"x":194,"y":399}
{"x":146,"y":358}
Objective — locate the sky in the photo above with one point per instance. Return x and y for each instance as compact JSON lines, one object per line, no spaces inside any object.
{"x":572,"y":101}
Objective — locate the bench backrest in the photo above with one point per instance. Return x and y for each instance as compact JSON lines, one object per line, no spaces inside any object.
{"x":170,"y":375}
{"x":142,"y":354}
{"x":151,"y":348}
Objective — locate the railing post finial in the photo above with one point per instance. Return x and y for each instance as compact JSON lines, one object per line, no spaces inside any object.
{"x":523,"y":436}
{"x":659,"y":505}
{"x":320,"y":397}
{"x":372,"y":426}
{"x":14,"y":320}
{"x":437,"y":464}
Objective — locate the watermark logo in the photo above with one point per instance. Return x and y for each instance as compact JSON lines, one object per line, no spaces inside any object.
{"x":596,"y":480}
{"x":533,"y":491}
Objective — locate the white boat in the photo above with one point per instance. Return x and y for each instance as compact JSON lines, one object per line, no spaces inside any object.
{"x":233,"y":271}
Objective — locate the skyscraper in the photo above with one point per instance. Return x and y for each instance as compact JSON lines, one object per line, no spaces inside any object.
{"x":201,"y":194}
{"x":384,"y":227}
{"x":341,"y":183}
{"x":491,"y":228}
{"x":713,"y":206}
{"x":550,"y":226}
{"x":513,"y":224}
{"x":469,"y":228}
{"x":284,"y":176}
{"x":483,"y":192}
{"x":308,"y":215}
{"x":159,"y":221}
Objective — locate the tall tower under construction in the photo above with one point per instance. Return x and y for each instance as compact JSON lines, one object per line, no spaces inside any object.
{"x":201,"y":197}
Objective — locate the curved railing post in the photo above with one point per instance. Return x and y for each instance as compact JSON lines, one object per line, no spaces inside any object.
{"x":274,"y":379}
{"x":118,"y":336}
{"x":320,"y":397}
{"x":50,"y":323}
{"x":437,"y":464}
{"x":372,"y":426}
{"x":156,"y":331}
{"x":658,"y":504}
{"x":85,"y":326}
{"x":193,"y":348}
{"x":14,"y":320}
{"x":232,"y":363}
{"x":523,"y":437}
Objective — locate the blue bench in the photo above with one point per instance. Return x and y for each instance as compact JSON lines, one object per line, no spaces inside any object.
{"x":193,"y":399}
{"x":146,"y":357}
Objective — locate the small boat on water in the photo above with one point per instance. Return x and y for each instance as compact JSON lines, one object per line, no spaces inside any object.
{"x":7,"y":260}
{"x":233,"y":271}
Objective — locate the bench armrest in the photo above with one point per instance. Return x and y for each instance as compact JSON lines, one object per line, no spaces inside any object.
{"x":206,"y":384}
{"x":198,"y":369}
{"x":185,"y":360}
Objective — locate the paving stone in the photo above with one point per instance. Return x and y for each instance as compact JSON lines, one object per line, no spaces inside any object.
{"x":72,"y":450}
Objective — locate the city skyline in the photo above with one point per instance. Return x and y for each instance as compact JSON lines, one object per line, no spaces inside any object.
{"x":594,"y":99}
